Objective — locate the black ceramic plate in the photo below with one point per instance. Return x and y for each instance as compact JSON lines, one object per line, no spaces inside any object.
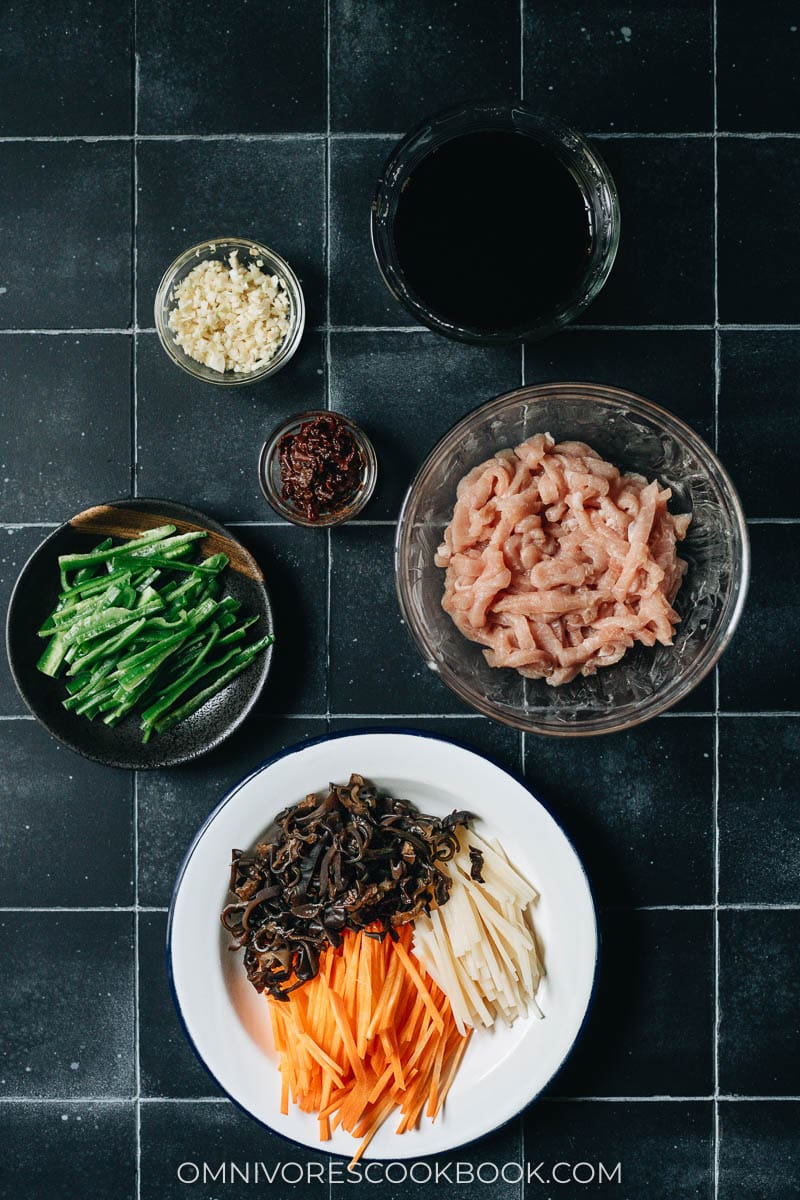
{"x":35,"y":594}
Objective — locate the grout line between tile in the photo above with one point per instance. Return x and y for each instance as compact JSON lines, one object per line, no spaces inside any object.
{"x":389,"y":522}
{"x":715,"y":769}
{"x":583,"y":327}
{"x":135,"y":260}
{"x":327,"y":337}
{"x":63,"y":332}
{"x":374,"y":329}
{"x":724,"y":1097}
{"x":752,"y":906}
{"x":87,"y":908}
{"x":135,"y":492}
{"x":522,"y":49}
{"x":626,"y":1099}
{"x":472,"y":716}
{"x":389,"y":134}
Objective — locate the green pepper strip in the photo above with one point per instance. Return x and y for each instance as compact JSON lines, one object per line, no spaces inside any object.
{"x":246,"y":658}
{"x":68,"y":562}
{"x":109,"y":646}
{"x":91,"y":688}
{"x":212,"y":566}
{"x":53,"y":656}
{"x":181,"y":684}
{"x":109,"y":618}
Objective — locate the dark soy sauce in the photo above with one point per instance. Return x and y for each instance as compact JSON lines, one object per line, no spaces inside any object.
{"x":492,"y":231}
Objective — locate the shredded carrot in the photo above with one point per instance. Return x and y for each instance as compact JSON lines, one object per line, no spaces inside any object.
{"x":370,"y":1033}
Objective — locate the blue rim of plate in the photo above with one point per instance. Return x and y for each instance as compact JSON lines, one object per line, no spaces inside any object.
{"x":296,"y":749}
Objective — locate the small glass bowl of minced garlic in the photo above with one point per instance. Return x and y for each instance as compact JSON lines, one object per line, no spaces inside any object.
{"x":230,"y":311}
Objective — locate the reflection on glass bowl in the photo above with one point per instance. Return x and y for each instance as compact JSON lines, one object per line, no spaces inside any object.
{"x":635,"y":435}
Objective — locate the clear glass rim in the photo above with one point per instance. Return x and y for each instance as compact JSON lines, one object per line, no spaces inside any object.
{"x":593,"y":176}
{"x":278,"y":265}
{"x":360,"y":500}
{"x":735,"y":601}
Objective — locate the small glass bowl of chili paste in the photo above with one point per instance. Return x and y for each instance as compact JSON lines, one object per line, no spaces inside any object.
{"x":318,"y":469}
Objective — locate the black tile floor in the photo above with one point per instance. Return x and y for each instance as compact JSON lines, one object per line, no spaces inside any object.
{"x":128,"y":131}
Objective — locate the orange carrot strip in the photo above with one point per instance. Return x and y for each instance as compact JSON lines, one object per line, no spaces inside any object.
{"x":392,"y":1052}
{"x":377,"y":1121}
{"x":455,"y":1062}
{"x":388,"y":985}
{"x":433,"y":1095}
{"x":380,"y":1085}
{"x":364,"y":993}
{"x":405,"y":959}
{"x":319,"y":1055}
{"x":340,"y":1017}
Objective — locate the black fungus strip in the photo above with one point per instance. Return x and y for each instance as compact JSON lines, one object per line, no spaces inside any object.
{"x":476,"y":865}
{"x":352,"y":860}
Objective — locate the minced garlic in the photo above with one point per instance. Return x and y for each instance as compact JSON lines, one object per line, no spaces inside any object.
{"x":230,"y":317}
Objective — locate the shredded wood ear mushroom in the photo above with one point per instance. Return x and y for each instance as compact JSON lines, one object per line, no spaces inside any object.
{"x":343,"y":861}
{"x":230,"y":317}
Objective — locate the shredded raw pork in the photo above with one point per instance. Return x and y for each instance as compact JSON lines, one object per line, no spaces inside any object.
{"x":557,"y":563}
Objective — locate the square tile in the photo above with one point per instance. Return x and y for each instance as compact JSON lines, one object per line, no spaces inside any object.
{"x":406,"y":390}
{"x":168,"y":1065}
{"x":759,"y":1151}
{"x":174,"y":803}
{"x":68,"y":1150}
{"x":273,"y":191}
{"x":759,"y":237}
{"x":496,"y":741}
{"x":58,"y":809}
{"x":639,"y":807}
{"x":759,"y":799}
{"x":199,"y":441}
{"x":759,"y":1033}
{"x":201,"y":71}
{"x":61,"y":450}
{"x":66,"y":69}
{"x":622,"y":66}
{"x":394,"y":63}
{"x":295,"y":565}
{"x":67,"y":209}
{"x":16,"y":547}
{"x":202,"y":1139}
{"x":664,"y":270}
{"x":758,"y":65}
{"x":66,"y":1010}
{"x":650,"y":1031}
{"x":358,"y":294}
{"x":758,"y":399}
{"x":675,"y":368}
{"x":374,"y":666}
{"x":660,"y":1151}
{"x":756,"y":672}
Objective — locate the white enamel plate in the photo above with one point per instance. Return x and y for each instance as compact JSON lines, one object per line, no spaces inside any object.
{"x":504,"y":1069}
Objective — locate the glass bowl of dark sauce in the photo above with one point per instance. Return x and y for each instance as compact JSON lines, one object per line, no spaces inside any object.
{"x":492,"y":224}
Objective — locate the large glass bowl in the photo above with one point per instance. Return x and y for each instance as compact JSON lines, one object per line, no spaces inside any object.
{"x":581,"y":160}
{"x":635,"y":435}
